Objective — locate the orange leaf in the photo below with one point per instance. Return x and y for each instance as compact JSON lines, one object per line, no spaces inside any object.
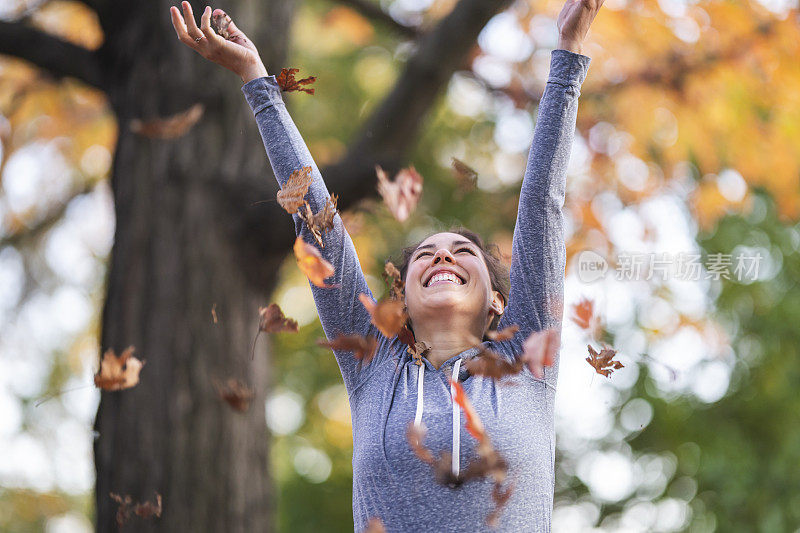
{"x":473,"y":423}
{"x":539,"y":350}
{"x":395,"y":281}
{"x":583,"y":314}
{"x":505,"y":334}
{"x":127,"y":508}
{"x":387,"y":315}
{"x":312,"y":264}
{"x":603,"y":362}
{"x":287,"y":82}
{"x":415,"y":435}
{"x":168,"y":127}
{"x":363,"y":348}
{"x":236,"y":393}
{"x":272,"y":320}
{"x":291,"y":195}
{"x":322,"y":221}
{"x":118,"y":373}
{"x":401,"y":195}
{"x":375,"y":525}
{"x":466,"y":176}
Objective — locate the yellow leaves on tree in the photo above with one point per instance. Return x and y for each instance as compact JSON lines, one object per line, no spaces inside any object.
{"x":287,"y":82}
{"x":402,"y":194}
{"x":170,"y":127}
{"x":312,"y":264}
{"x":387,"y":315}
{"x":118,"y":372}
{"x":292,"y":195}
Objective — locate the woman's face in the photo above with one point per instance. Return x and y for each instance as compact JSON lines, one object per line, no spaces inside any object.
{"x":447,"y":272}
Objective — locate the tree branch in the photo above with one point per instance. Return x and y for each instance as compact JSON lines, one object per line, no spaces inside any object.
{"x":391,"y":131}
{"x":57,"y":57}
{"x":371,"y":11}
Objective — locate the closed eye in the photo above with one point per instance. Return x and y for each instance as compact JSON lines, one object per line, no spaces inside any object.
{"x":421,"y":254}
{"x":468,"y":250}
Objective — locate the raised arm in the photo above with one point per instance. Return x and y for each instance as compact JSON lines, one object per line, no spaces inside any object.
{"x":536,"y":300}
{"x":339,"y":308}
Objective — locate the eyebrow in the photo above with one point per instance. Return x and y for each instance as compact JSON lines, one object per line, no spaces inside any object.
{"x":430,"y":246}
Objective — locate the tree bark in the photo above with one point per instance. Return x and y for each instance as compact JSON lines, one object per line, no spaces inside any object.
{"x":180,"y":247}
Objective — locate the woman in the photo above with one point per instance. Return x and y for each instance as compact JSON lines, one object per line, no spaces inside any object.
{"x":454,"y":292}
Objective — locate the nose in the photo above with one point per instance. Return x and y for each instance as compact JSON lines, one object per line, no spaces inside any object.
{"x":442,"y":256}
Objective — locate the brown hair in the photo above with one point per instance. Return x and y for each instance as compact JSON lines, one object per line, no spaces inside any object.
{"x":498,"y":271}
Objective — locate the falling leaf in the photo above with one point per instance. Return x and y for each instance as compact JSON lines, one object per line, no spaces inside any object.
{"x":500,"y":497}
{"x":415,"y":435}
{"x":395,"y":281}
{"x":401,"y":195}
{"x":583,"y":314}
{"x":505,"y":334}
{"x":169,"y":127}
{"x":363,"y":348}
{"x":291,"y":195}
{"x":466,"y":176}
{"x":272,"y":320}
{"x":312,"y":264}
{"x":603,"y":362}
{"x":375,"y":525}
{"x":321,"y":222}
{"x":214,"y":313}
{"x":417,"y":350}
{"x":127,"y":508}
{"x":220,"y":22}
{"x":387,"y":315}
{"x":490,"y":364}
{"x":473,"y":423}
{"x":118,"y":373}
{"x":406,"y":336}
{"x":287,"y":82}
{"x":236,"y":393}
{"x":539,"y":350}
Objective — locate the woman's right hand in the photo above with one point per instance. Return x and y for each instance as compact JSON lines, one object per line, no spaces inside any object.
{"x":236,"y":53}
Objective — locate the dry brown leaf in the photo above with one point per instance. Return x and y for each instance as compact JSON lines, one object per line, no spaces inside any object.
{"x":505,"y":334}
{"x":415,"y":435}
{"x":393,"y":278}
{"x":272,"y":320}
{"x":363,"y":348}
{"x":168,"y":127}
{"x":321,"y":222}
{"x":603,"y":362}
{"x":492,"y":365}
{"x":402,"y":194}
{"x":287,"y":82}
{"x":539,"y":350}
{"x":214,"y":313}
{"x":236,"y":393}
{"x":466,"y":176}
{"x":118,"y":373}
{"x":406,"y":336}
{"x":500,"y":497}
{"x":312,"y":264}
{"x":220,"y":22}
{"x":292,"y":195}
{"x":417,"y":350}
{"x":127,"y":508}
{"x":584,"y":316}
{"x":387,"y":315}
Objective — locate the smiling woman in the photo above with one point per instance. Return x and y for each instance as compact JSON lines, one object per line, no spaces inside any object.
{"x":455,"y":291}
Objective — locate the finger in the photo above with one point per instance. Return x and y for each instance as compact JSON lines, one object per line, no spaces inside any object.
{"x":205,"y":27}
{"x":194,"y":31}
{"x":180,"y":28}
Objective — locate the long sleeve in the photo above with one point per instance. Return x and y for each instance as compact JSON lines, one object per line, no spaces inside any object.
{"x":339,"y":309}
{"x":538,"y":258}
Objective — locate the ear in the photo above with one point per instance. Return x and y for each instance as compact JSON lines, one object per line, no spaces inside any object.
{"x":497,"y":305}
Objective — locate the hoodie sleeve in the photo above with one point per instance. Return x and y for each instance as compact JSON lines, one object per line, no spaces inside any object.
{"x":538,"y":257}
{"x":339,"y":309}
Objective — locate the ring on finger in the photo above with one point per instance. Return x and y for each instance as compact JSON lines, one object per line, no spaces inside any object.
{"x":198,"y":39}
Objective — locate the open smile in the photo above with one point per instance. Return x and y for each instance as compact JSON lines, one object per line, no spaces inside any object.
{"x":443,"y":276}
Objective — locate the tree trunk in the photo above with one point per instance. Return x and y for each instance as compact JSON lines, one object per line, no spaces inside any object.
{"x":181,"y":246}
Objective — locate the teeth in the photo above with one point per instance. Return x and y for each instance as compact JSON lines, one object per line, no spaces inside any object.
{"x":444,"y":276}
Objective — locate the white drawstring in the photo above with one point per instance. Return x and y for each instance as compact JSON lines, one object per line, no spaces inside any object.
{"x":456,"y":463}
{"x":420,"y":381}
{"x":456,"y":422}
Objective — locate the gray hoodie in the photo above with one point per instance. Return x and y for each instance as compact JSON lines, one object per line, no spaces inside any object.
{"x":389,"y":481}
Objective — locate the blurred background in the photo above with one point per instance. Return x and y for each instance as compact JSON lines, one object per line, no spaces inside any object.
{"x":120,"y":227}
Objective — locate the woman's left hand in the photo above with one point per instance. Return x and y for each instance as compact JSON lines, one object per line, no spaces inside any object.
{"x":573,"y":23}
